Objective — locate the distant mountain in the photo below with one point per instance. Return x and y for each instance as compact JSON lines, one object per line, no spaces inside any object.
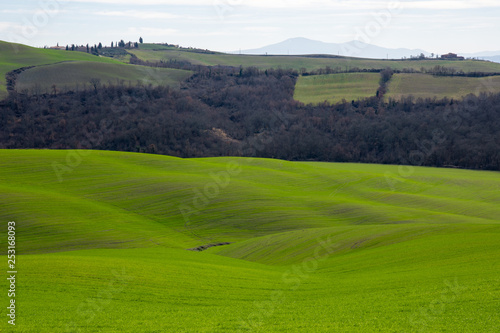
{"x":303,"y":46}
{"x":484,"y":54}
{"x":487,"y":55}
{"x":494,"y":58}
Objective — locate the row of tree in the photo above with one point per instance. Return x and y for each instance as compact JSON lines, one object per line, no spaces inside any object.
{"x":96,"y":49}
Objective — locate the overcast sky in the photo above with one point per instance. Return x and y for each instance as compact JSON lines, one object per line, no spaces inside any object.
{"x":462,"y":26}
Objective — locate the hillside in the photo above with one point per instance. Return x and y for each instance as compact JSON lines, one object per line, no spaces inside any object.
{"x":73,"y":75}
{"x":147,"y":191}
{"x":334,"y":88}
{"x":14,"y":56}
{"x":225,"y":112}
{"x":312,"y":62}
{"x":68,"y":69}
{"x":71,"y":70}
{"x":428,"y":86}
{"x":316,"y":246}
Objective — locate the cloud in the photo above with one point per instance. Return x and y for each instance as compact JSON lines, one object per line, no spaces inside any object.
{"x":50,"y":12}
{"x":145,"y":15}
{"x":262,"y":29}
{"x":450,"y":4}
{"x":6,"y":26}
{"x":11,"y":27}
{"x":287,"y":4}
{"x":146,"y":2}
{"x":152,"y":32}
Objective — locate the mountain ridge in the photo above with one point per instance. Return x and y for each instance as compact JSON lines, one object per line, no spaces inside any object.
{"x":303,"y":46}
{"x":358,"y":49}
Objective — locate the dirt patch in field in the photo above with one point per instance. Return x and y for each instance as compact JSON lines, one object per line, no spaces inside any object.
{"x":207,"y":246}
{"x":358,"y":243}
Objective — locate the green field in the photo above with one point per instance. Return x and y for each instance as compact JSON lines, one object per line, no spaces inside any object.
{"x":333,"y":88}
{"x":157,"y":47}
{"x":69,"y":75}
{"x":352,"y":86}
{"x":429,"y":86}
{"x":317,"y":247}
{"x":150,"y":53}
{"x":14,"y":56}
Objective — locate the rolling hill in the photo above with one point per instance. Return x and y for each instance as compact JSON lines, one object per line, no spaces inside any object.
{"x":109,"y":241}
{"x":70,"y":75}
{"x":69,"y":69}
{"x":315,"y":246}
{"x":14,"y":56}
{"x":150,"y":52}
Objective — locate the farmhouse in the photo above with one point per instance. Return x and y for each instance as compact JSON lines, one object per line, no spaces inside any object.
{"x":452,"y":56}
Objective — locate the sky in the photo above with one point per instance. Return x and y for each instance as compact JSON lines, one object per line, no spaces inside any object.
{"x":439,"y":26}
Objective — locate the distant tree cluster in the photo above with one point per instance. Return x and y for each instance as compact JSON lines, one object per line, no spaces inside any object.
{"x":227,"y":111}
{"x":450,"y":71}
{"x":385,"y":77}
{"x":96,"y":49}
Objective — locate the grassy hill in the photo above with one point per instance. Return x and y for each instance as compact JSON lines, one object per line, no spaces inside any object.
{"x":149,"y":52}
{"x":317,"y":247}
{"x":69,"y":75}
{"x":14,"y":56}
{"x":68,"y":69}
{"x":335,"y":87}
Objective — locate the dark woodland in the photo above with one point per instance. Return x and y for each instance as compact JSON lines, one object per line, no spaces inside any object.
{"x":223,"y":111}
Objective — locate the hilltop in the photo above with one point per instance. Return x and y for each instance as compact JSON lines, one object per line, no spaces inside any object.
{"x":41,"y":69}
{"x":15,"y":56}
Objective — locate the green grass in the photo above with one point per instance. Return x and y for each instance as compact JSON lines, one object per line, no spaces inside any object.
{"x":414,"y":286}
{"x":318,"y":247}
{"x":352,"y":86}
{"x":150,"y":189}
{"x":428,"y":86}
{"x":336,"y":87}
{"x":13,"y":56}
{"x":70,"y":75}
{"x":309,"y":63}
{"x":155,"y":47}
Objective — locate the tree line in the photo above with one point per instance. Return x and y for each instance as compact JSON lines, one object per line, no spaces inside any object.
{"x":226,"y":111}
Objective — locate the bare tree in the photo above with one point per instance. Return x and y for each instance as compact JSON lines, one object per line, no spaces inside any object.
{"x":95,"y":82}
